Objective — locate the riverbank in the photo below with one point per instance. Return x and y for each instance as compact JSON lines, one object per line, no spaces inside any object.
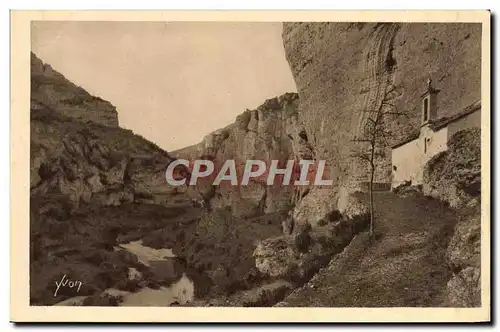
{"x":212,"y":261}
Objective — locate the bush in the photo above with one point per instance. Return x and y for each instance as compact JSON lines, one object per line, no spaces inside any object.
{"x":302,"y":239}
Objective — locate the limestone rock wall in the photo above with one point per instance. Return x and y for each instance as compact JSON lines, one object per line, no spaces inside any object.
{"x":93,"y":163}
{"x":342,"y":70}
{"x":272,"y":131}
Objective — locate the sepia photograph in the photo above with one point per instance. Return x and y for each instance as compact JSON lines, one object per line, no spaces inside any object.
{"x":323,"y":163}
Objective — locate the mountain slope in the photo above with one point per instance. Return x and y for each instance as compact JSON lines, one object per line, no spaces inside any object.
{"x":81,"y":162}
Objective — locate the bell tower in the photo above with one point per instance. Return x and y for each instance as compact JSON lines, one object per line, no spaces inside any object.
{"x":429,"y":103}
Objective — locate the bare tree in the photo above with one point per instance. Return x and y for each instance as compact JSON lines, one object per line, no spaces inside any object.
{"x":375,"y":137}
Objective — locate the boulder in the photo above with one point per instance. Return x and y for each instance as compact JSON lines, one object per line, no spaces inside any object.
{"x":277,"y":257}
{"x":464,"y":258}
{"x":407,"y":189}
{"x":298,"y":256}
{"x":464,"y":248}
{"x":134,"y":274}
{"x":464,"y":288}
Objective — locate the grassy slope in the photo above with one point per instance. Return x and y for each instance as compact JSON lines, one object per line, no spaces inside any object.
{"x":403,"y":266}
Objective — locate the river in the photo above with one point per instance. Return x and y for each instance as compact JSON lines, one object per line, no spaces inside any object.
{"x":180,"y":292}
{"x":161,"y":262}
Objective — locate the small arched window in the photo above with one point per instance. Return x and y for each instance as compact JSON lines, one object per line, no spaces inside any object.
{"x":425,"y":144}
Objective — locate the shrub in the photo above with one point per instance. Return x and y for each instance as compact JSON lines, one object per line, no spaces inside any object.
{"x":302,"y":239}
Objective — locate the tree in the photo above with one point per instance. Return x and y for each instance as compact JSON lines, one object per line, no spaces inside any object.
{"x":375,"y":138}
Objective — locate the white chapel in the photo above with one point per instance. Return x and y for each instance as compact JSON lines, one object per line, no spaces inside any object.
{"x":410,"y":156}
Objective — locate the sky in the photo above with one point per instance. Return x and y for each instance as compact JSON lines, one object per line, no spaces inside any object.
{"x":171,"y":82}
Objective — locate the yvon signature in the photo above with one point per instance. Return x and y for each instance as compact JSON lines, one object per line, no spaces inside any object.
{"x":65,"y":282}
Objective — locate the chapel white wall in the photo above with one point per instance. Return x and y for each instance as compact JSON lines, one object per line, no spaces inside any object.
{"x":411,"y":157}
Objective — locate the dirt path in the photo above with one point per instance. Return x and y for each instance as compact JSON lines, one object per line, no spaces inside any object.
{"x":403,"y":266}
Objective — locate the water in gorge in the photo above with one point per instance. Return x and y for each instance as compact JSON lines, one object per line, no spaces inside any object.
{"x":162,"y":263}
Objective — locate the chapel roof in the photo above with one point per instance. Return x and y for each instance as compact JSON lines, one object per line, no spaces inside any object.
{"x":441,"y":123}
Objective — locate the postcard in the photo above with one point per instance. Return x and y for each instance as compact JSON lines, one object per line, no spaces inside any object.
{"x":250,"y":166}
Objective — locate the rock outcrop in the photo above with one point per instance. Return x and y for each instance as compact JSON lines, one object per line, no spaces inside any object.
{"x":464,"y":258}
{"x":299,"y":256}
{"x":269,"y":132}
{"x":51,"y":89}
{"x":93,"y":163}
{"x":454,"y":175}
{"x":344,"y":70}
{"x":79,"y":152}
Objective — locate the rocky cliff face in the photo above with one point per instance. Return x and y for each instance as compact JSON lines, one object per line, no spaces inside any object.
{"x":93,"y":163}
{"x":454,"y":176}
{"x":269,"y":132}
{"x":79,"y":152}
{"x":464,"y":259}
{"x":51,"y":89}
{"x":344,"y":70}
